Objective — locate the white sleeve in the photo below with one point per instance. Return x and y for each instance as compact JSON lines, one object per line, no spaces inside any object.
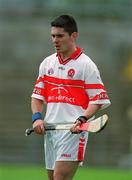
{"x":95,"y":87}
{"x":39,"y":91}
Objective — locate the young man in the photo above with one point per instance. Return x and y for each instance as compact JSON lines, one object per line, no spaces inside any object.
{"x":70,"y":85}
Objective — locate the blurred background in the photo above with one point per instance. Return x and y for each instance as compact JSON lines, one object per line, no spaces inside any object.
{"x":106,"y":36}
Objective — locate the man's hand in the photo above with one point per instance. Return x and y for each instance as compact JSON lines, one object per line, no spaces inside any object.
{"x":75,"y":128}
{"x":39,"y":127}
{"x":78,"y":122}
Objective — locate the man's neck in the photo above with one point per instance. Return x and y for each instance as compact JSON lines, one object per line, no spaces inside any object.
{"x":67,"y":54}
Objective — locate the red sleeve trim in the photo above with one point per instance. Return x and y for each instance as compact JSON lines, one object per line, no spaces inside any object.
{"x":39,"y":91}
{"x":101,"y":96}
{"x":95,"y":86}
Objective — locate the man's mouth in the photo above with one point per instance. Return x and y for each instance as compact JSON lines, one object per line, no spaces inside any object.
{"x":57,"y":47}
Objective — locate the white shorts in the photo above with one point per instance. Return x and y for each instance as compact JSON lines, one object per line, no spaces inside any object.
{"x":64,"y":146}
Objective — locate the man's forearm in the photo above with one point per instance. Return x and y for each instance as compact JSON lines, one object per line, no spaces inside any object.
{"x":36,"y":105}
{"x":92,"y":110}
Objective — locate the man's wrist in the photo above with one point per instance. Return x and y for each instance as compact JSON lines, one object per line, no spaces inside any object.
{"x":36,"y":116}
{"x":82,"y":119}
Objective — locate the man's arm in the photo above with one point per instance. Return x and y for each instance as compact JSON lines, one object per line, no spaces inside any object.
{"x":92,"y":110}
{"x":37,"y":106}
{"x":89,"y":112}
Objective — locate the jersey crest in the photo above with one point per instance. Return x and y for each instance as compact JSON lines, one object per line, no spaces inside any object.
{"x":71,"y":73}
{"x":50,"y":71}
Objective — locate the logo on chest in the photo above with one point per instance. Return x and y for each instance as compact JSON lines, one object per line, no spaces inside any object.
{"x":71,"y":73}
{"x":50,"y":71}
{"x":61,"y":68}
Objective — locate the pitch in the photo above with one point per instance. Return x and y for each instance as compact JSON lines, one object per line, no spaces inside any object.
{"x":19,"y":172}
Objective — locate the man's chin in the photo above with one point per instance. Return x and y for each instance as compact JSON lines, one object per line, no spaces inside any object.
{"x":58,"y":50}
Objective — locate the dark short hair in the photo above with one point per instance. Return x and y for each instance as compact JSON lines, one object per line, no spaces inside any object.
{"x":67,"y":22}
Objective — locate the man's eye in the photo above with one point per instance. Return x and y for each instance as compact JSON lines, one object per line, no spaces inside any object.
{"x":60,"y":35}
{"x":57,"y":36}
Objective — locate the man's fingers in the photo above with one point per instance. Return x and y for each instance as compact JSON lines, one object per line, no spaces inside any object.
{"x":75,"y":128}
{"x":38,"y":127}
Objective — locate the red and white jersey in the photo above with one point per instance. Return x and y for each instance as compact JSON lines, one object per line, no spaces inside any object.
{"x":68,"y":88}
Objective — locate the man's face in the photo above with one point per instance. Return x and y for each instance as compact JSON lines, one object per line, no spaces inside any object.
{"x":62,"y":41}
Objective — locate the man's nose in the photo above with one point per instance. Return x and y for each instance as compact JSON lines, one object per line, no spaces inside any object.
{"x":55,"y":39}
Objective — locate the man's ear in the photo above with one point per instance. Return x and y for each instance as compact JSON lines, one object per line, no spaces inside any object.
{"x":74,"y":36}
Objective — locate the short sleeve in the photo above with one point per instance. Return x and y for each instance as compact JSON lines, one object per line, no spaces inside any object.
{"x":94,"y":86}
{"x":39,"y":91}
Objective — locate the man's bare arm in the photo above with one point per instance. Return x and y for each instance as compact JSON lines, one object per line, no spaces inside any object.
{"x":89,"y":112}
{"x":37,"y":106}
{"x":92,"y":110}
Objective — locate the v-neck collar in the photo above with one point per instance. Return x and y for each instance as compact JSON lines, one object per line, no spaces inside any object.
{"x":73,"y":56}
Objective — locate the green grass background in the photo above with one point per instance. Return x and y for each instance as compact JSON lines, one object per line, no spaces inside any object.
{"x":14,"y":172}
